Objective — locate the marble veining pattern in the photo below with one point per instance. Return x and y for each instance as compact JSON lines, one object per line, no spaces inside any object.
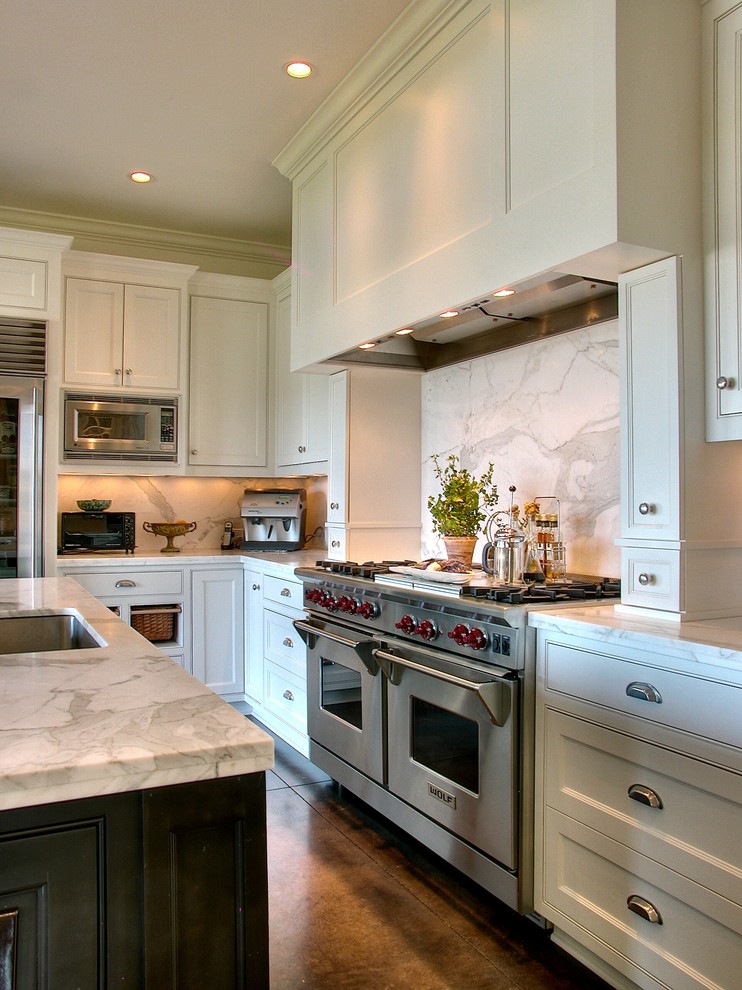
{"x":547,"y":415}
{"x":77,"y":723}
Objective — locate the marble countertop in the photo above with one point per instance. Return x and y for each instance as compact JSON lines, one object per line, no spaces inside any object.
{"x":79,"y":723}
{"x":712,"y":642}
{"x":284,"y":562}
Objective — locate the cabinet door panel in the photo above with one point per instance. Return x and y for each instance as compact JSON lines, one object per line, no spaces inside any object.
{"x":229,"y":383}
{"x":218,"y":629}
{"x":94,"y":326}
{"x":151,"y":337}
{"x":22,"y":283}
{"x":650,"y":412}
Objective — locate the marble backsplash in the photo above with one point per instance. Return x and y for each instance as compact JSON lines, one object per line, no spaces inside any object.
{"x":547,"y":416}
{"x":208,"y":502}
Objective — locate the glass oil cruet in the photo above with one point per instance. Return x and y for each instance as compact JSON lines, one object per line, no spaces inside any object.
{"x":532,"y":568}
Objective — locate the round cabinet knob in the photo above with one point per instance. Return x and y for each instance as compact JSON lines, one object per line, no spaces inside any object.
{"x":194,"y":451}
{"x":336,"y":543}
{"x":334,"y":505}
{"x":129,"y":371}
{"x":647,"y":508}
{"x":645,"y":579}
{"x":256,"y":587}
{"x":407,"y":625}
{"x":302,"y":450}
{"x":117,"y":371}
{"x":723,"y":382}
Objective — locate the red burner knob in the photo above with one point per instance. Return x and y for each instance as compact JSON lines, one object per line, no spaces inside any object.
{"x":329,"y":602}
{"x":407,"y":624}
{"x":476,"y":639}
{"x":459,"y":634}
{"x":314,"y":594}
{"x":428,"y":630}
{"x":346,"y":604}
{"x":367,"y":610}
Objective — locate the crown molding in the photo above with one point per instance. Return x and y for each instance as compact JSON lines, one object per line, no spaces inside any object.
{"x":145,"y":240}
{"x":405,"y":37}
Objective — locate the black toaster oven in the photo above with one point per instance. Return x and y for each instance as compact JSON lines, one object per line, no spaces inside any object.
{"x":87,"y":531}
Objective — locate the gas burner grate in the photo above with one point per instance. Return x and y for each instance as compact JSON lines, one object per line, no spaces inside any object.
{"x":367,"y":569}
{"x":534,"y":594}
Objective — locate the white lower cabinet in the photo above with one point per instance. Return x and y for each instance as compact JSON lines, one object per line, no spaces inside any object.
{"x":154,"y":601}
{"x":218,"y":629}
{"x":639,"y":799}
{"x":276,"y":679}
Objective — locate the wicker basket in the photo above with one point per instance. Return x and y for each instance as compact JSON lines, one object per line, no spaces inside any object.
{"x":155,"y":622}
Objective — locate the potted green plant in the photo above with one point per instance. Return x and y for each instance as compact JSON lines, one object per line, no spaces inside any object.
{"x":463,"y":504}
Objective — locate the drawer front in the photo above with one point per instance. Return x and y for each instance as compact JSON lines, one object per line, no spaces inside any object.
{"x":282,"y":643}
{"x":705,"y":707}
{"x":651,"y":579}
{"x":130,"y":584}
{"x":283,"y":591}
{"x":672,"y":808}
{"x":590,"y":880}
{"x":286,"y":696}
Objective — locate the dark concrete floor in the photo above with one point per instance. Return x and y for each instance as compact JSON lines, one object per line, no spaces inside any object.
{"x":355,"y":905}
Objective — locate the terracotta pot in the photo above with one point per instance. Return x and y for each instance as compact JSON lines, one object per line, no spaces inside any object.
{"x":460,"y":548}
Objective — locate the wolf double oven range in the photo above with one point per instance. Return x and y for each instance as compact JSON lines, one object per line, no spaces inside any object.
{"x":421,"y":702}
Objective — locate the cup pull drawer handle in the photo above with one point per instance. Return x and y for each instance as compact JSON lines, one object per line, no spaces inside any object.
{"x":645,"y":909}
{"x":285,"y":592}
{"x":288,"y":695}
{"x":288,"y":642}
{"x":645,"y":795}
{"x":125,"y":583}
{"x":644,"y":692}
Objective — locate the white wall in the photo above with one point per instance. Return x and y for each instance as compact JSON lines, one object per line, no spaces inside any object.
{"x":547,"y":415}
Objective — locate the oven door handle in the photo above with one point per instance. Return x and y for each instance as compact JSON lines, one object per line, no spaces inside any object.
{"x":362,"y":648}
{"x":495,"y":695}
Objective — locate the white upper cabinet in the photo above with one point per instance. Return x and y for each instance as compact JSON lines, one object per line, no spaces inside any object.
{"x":125,"y":321}
{"x":302,"y":401}
{"x":722,"y":46}
{"x":122,"y":335}
{"x":30,"y":264}
{"x":481,"y":143}
{"x":229,"y":378}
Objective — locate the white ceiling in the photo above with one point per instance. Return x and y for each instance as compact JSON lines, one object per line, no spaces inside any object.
{"x":192,"y":91}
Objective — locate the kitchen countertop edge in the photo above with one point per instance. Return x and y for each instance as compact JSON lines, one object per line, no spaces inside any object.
{"x":85,"y":722}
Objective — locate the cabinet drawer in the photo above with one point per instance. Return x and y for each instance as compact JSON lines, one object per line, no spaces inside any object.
{"x":651,"y":578}
{"x":286,"y":696}
{"x":704,"y":707}
{"x":283,"y":591}
{"x":130,"y":584}
{"x":282,"y":643}
{"x":589,"y":880}
{"x":691,"y":822}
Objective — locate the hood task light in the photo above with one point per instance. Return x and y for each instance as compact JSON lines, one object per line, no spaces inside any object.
{"x":449,"y":314}
{"x":367,"y":346}
{"x":404,"y":331}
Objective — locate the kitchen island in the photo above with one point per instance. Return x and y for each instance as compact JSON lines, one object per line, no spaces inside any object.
{"x":132,"y":812}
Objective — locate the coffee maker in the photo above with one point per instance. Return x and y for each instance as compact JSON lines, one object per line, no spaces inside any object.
{"x":274,"y":520}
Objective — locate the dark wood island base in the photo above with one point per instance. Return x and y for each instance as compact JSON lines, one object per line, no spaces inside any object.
{"x":164,"y":889}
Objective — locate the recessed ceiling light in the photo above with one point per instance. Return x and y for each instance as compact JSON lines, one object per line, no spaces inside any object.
{"x":449,"y":314}
{"x":299,"y":70}
{"x":140,"y":176}
{"x":504,"y":292}
{"x":367,"y":346}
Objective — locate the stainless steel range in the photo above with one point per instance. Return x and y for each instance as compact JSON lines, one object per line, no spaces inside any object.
{"x":421,"y":702}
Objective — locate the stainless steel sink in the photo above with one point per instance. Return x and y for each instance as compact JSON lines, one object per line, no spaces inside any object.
{"x":46,"y":633}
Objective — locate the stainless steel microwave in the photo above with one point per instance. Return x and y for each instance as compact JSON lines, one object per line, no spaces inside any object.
{"x":126,"y":428}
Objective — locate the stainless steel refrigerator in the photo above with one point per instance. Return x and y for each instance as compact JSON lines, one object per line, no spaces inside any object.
{"x":21,"y":441}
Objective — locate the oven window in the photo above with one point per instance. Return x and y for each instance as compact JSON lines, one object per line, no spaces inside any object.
{"x":341,"y":692}
{"x":446,"y":743}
